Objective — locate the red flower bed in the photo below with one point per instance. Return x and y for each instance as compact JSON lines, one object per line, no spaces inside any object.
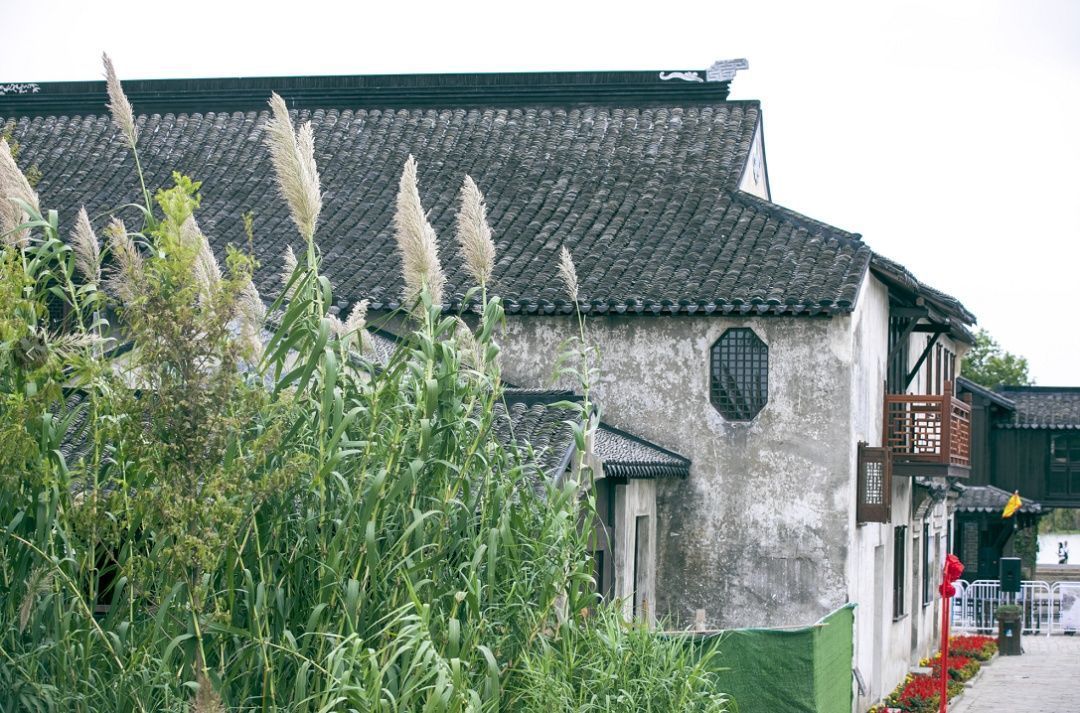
{"x":976,"y":647}
{"x":920,"y":694}
{"x":961,"y":668}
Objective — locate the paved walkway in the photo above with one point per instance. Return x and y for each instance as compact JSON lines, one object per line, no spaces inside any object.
{"x":1046,"y":679}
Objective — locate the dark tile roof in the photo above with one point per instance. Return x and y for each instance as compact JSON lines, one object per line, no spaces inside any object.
{"x":1055,"y":407}
{"x":534,"y":420}
{"x":987,"y":498}
{"x":626,"y":455}
{"x":967,"y":385}
{"x":642,"y":191}
{"x":527,"y":418}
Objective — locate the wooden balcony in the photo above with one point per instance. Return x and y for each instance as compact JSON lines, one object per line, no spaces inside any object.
{"x":928,"y":435}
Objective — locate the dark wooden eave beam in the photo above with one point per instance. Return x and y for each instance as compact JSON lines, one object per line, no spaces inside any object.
{"x":922,"y":358}
{"x":933,"y":328}
{"x":913,"y":315}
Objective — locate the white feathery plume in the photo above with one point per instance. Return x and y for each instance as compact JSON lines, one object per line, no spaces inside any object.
{"x":119,"y":106}
{"x":39,"y":582}
{"x":568,"y":273}
{"x":128,"y":270}
{"x":252,"y":313}
{"x":206,"y":270}
{"x":85,"y":246}
{"x":357,"y":319}
{"x":293,"y":157}
{"x":288,"y":268}
{"x":474,"y":233}
{"x":468,"y":347}
{"x":13,"y":185}
{"x":71,"y":343}
{"x":417,"y":242}
{"x":354,"y":323}
{"x":337,"y":327}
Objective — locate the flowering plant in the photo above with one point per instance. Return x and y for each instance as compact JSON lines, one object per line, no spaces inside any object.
{"x":981,"y":648}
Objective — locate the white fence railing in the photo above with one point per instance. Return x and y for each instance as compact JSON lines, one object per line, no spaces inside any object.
{"x":1047,"y":608}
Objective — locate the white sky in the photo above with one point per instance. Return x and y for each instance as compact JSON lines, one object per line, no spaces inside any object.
{"x":946,"y":132}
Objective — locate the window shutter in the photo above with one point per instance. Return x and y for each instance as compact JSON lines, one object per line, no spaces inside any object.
{"x":874,"y":484}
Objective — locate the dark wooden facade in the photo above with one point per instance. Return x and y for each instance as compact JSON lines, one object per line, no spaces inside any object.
{"x":1022,"y":461}
{"x":1034,"y":461}
{"x":1011,"y":459}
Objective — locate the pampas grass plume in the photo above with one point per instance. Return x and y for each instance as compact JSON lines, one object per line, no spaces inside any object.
{"x":293,"y":158}
{"x":206,"y":269}
{"x":357,"y":319}
{"x":119,"y":106}
{"x":128,"y":269}
{"x":252,"y":313}
{"x":39,"y":582}
{"x":474,"y":233}
{"x":85,"y":246}
{"x":13,"y":186}
{"x":417,"y":242}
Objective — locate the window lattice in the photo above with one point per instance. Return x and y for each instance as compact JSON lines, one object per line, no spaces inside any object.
{"x":874,"y":484}
{"x":739,"y":374}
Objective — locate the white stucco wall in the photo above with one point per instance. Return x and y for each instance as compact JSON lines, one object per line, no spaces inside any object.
{"x":757,"y":536}
{"x":869,"y":569}
{"x":755,"y":176}
{"x":887,"y":648}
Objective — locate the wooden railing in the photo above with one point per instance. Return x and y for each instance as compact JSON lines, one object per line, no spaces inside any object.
{"x":928,"y":429}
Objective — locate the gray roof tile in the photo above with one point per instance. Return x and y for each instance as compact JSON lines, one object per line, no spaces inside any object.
{"x":1055,"y":407}
{"x":987,"y":498}
{"x":644,"y":196}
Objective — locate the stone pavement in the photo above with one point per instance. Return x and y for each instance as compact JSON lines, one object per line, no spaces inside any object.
{"x":1046,"y":679}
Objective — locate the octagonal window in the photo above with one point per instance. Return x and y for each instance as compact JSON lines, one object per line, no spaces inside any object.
{"x":739,"y":374}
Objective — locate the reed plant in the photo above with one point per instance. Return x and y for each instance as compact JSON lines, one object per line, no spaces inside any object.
{"x":209,"y":505}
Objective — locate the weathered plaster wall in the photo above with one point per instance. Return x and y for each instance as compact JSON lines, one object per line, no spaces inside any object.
{"x":758,"y":535}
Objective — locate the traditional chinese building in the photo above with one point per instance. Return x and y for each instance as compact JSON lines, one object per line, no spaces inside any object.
{"x":778,"y":401}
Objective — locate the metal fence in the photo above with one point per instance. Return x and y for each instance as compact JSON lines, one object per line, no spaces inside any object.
{"x":1047,"y":608}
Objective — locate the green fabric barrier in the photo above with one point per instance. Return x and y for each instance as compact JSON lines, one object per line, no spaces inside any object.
{"x":806,"y":670}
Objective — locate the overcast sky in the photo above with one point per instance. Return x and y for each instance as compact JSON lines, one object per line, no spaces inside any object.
{"x":946,"y":133}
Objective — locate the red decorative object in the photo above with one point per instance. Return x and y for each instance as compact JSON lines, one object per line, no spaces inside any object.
{"x":949,"y":574}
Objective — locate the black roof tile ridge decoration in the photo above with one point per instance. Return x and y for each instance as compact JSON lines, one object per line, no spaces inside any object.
{"x":623,"y":454}
{"x":160,"y":96}
{"x":965,"y":384}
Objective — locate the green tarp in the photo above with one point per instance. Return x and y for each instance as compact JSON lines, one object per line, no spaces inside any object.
{"x":805,"y":670}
